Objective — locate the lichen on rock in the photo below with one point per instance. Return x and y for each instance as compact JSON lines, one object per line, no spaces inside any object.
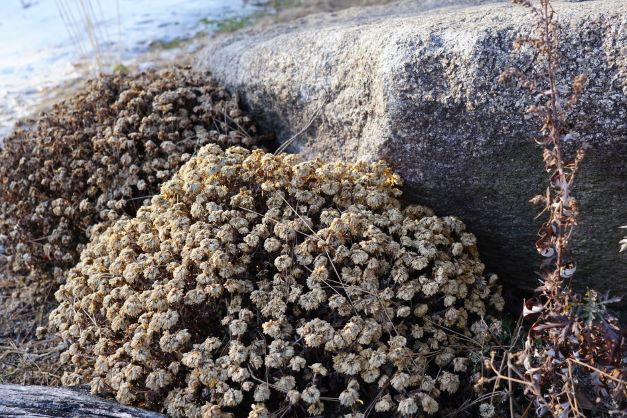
{"x":255,"y":284}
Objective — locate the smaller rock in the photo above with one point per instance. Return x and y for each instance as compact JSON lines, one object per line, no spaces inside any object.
{"x":53,"y":402}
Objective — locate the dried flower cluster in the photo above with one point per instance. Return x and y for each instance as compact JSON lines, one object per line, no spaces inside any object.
{"x":574,"y":360}
{"x":97,"y":157}
{"x":257,"y":284}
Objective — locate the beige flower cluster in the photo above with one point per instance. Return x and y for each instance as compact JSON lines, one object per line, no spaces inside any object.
{"x":94,"y":158}
{"x":256,"y":285}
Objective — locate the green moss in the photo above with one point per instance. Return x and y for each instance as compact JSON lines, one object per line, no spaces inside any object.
{"x":232,"y":23}
{"x":120,"y":68}
{"x":170,"y":44}
{"x":235,"y":23}
{"x":278,"y":5}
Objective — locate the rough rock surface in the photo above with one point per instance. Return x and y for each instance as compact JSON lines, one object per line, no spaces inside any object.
{"x":417,"y":86}
{"x":53,"y":402}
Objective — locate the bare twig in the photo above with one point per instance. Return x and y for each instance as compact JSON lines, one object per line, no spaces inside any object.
{"x":291,"y":140}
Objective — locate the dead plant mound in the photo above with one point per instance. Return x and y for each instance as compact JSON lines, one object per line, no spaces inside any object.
{"x":93,"y":159}
{"x":257,"y":284}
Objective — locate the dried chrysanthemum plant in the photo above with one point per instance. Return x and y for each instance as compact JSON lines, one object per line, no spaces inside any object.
{"x":257,"y":285}
{"x":572,"y":363}
{"x":92,"y":159}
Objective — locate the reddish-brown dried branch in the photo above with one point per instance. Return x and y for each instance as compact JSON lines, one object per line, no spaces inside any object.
{"x":573,"y":338}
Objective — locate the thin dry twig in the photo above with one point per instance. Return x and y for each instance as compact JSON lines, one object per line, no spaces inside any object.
{"x":294,"y":137}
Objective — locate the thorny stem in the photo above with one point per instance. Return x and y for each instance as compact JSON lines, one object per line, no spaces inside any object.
{"x":554,"y":124}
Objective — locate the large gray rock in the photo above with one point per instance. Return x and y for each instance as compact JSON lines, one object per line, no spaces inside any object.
{"x":417,"y":86}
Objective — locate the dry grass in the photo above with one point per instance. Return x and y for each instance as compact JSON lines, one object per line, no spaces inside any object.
{"x":24,"y":359}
